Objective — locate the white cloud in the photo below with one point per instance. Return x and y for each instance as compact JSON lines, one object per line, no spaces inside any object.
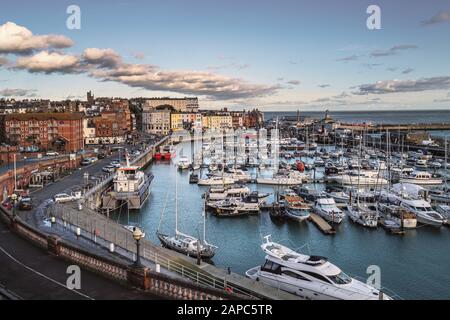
{"x":392,"y":86}
{"x":17,"y":92}
{"x":49,"y":62}
{"x":19,"y":40}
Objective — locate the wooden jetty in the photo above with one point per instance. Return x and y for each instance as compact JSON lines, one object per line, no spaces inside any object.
{"x":323,"y":226}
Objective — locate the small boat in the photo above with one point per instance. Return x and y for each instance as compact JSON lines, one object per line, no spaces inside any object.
{"x":402,"y":217}
{"x":193,"y":178}
{"x":296,"y":208}
{"x":183,"y":163}
{"x":234,"y":207}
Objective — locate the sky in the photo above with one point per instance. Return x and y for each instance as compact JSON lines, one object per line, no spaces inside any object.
{"x":275,"y":55}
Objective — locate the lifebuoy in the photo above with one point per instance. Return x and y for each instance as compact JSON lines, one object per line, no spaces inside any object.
{"x":229,"y":290}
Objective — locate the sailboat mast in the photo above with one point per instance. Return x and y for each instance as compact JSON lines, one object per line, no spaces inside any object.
{"x":176,"y":204}
{"x":445,"y":164}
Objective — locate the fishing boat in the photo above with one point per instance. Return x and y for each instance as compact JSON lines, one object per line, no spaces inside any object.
{"x":309,"y":277}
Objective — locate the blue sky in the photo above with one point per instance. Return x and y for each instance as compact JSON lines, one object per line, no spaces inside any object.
{"x":278,"y":55}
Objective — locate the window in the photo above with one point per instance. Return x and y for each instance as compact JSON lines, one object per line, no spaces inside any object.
{"x":272,"y":267}
{"x":294,"y":275}
{"x":317,"y":276}
{"x":340,"y":278}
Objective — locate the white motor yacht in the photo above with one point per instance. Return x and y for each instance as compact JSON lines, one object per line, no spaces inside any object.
{"x":183,"y":163}
{"x":327,"y":209}
{"x":422,"y":177}
{"x":309,"y":277}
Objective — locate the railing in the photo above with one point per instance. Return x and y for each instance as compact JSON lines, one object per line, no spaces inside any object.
{"x":104,"y":231}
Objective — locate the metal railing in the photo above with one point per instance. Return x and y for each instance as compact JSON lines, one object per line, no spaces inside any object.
{"x":104,"y":231}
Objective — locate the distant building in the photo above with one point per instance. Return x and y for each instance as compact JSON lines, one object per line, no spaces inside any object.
{"x":217,"y":120}
{"x":185,"y":120}
{"x":178,"y":104}
{"x":56,"y":131}
{"x":90,"y":98}
{"x":157,"y":120}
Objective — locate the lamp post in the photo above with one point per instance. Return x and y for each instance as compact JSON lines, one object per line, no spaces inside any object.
{"x":137,"y":235}
{"x":14,"y":200}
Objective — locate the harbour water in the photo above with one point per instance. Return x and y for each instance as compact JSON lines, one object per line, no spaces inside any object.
{"x":414,"y":266}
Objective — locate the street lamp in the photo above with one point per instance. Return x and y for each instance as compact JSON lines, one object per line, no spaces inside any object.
{"x":14,"y":200}
{"x":137,"y":235}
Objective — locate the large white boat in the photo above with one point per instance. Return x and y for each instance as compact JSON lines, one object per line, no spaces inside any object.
{"x":408,"y":196}
{"x":292,"y":179}
{"x":131,"y":185}
{"x":309,"y":277}
{"x":327,"y":209}
{"x":358,"y":178}
{"x":422,"y":177}
{"x":216,"y":181}
{"x":423,"y":210}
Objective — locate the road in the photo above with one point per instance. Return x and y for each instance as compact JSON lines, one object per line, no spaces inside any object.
{"x":32,"y":273}
{"x":29,"y":272}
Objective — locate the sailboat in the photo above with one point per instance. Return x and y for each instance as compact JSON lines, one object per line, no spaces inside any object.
{"x":185,"y":243}
{"x":362,"y":214}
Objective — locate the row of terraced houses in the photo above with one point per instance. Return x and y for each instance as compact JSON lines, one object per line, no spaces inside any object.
{"x":38,"y":125}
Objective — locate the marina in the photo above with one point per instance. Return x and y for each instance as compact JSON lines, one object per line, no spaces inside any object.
{"x":347,"y":242}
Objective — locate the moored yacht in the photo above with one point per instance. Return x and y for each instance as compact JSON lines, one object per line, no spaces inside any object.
{"x":422,"y":177}
{"x":296,"y":208}
{"x":309,"y":277}
{"x":327,"y":209}
{"x":216,"y":181}
{"x":365,"y":215}
{"x":183,"y":163}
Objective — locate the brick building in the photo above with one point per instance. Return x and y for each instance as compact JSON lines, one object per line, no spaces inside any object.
{"x":46,"y":131}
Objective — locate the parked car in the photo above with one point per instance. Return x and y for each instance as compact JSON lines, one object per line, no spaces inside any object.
{"x":115,"y":164}
{"x":108,"y":168}
{"x":85,"y":162}
{"x":63,"y":197}
{"x":93,"y":159}
{"x":52,"y":153}
{"x":25,"y":204}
